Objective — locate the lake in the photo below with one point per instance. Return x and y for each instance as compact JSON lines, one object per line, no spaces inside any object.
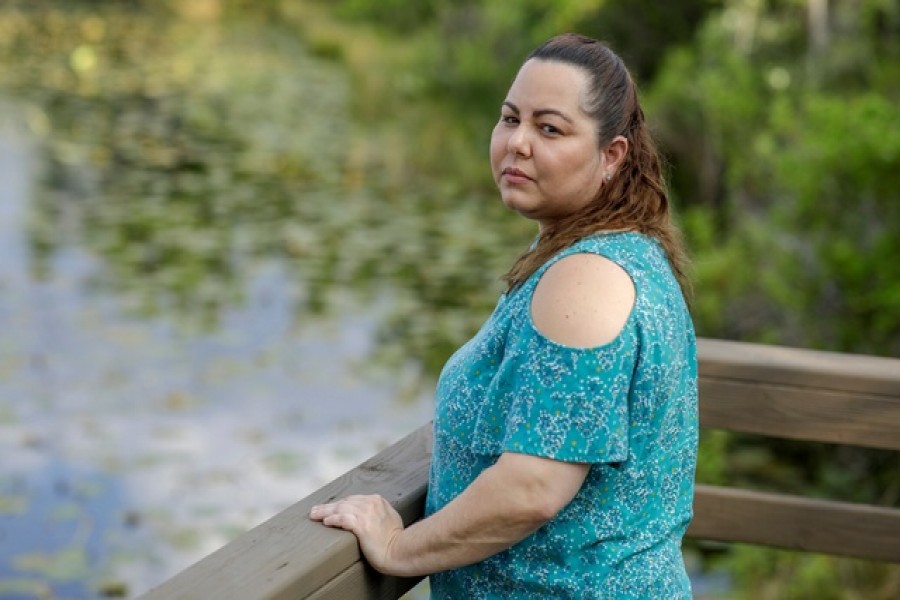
{"x":204,"y":318}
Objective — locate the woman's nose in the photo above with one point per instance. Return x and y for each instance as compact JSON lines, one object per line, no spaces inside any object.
{"x":518,"y":142}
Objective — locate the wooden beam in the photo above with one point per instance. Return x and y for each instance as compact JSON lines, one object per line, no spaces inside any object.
{"x":800,"y":413}
{"x":360,"y":582}
{"x":290,"y":557}
{"x":800,"y":394}
{"x":811,"y":525}
{"x":833,"y":371}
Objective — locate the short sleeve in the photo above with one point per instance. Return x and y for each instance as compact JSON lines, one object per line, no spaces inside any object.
{"x":568,"y":404}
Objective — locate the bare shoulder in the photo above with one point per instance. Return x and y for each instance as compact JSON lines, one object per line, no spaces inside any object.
{"x":583,"y":300}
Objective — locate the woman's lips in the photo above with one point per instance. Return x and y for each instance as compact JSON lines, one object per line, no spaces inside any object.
{"x":514,"y":175}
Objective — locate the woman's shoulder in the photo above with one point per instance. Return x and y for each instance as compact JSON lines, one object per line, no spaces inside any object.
{"x":582,"y":300}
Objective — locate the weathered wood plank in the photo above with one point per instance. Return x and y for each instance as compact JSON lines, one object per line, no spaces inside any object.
{"x":800,"y":367}
{"x":361,"y":582}
{"x":800,"y":413}
{"x":840,"y":528}
{"x":290,"y":557}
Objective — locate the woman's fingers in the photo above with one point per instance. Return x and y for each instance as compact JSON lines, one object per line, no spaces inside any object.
{"x":371,"y":518}
{"x":354,"y":513}
{"x":333,"y":515}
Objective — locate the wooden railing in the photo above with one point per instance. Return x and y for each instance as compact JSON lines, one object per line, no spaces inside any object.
{"x":800,"y":395}
{"x":768,"y":390}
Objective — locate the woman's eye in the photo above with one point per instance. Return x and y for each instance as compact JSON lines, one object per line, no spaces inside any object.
{"x":509,"y":119}
{"x":550,"y":129}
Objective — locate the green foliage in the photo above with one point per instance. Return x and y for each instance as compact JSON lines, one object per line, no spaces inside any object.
{"x":642,"y":31}
{"x":712,"y":457}
{"x":838,"y":185}
{"x":400,"y":16}
{"x":764,"y":574}
{"x":803,"y":177}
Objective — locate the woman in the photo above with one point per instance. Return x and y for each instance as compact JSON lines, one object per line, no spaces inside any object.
{"x":565,"y":431}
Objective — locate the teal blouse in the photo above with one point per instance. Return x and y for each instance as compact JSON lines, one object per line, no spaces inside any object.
{"x":629,"y":408}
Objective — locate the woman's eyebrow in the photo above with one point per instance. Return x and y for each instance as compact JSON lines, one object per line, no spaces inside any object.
{"x":551,"y":111}
{"x":540,"y":112}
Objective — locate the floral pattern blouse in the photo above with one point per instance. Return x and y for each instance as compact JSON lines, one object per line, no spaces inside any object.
{"x":629,"y":408}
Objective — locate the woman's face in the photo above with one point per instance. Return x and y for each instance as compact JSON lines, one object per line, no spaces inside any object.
{"x":544,"y":153}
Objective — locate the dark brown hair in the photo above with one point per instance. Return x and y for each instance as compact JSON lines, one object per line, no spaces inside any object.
{"x":635,"y":199}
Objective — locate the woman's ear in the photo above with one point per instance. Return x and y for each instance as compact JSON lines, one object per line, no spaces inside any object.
{"x":613,"y":155}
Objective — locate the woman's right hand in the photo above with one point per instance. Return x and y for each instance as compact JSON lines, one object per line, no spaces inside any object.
{"x":374,"y":522}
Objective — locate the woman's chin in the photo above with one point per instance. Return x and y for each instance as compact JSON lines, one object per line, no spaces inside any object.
{"x":517,"y":203}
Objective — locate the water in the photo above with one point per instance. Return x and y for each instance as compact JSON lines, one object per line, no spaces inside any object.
{"x":169,"y":379}
{"x":131,"y":448}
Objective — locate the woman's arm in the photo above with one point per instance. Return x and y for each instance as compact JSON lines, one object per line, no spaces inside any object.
{"x":504,"y":504}
{"x":582,"y":300}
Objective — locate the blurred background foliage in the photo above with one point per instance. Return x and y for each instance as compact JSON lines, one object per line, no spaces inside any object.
{"x":778,"y":118}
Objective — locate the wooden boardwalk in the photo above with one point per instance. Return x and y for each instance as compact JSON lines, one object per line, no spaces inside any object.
{"x":768,"y":390}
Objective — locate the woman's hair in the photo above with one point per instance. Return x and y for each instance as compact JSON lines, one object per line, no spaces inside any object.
{"x":635,"y":198}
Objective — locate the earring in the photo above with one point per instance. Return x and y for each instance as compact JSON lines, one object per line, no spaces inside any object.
{"x":608,"y":176}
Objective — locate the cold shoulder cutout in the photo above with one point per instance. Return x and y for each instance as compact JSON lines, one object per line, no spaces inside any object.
{"x":582,"y":301}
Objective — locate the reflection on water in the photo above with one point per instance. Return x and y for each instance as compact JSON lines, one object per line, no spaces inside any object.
{"x":58,"y":521}
{"x":131,"y":446}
